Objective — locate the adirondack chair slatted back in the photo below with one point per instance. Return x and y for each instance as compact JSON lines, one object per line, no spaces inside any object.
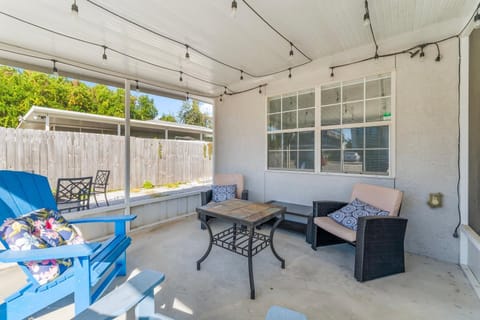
{"x":23,"y":192}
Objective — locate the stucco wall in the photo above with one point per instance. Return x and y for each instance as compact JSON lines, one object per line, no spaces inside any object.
{"x":425,"y":147}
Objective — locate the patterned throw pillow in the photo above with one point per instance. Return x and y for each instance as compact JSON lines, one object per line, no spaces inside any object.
{"x":41,"y":229}
{"x":348,"y":215}
{"x":223,"y":192}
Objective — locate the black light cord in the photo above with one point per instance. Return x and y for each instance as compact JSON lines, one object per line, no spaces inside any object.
{"x":455,"y":232}
{"x":367,"y":9}
{"x":111,"y":49}
{"x":277,"y":32}
{"x":198,"y":51}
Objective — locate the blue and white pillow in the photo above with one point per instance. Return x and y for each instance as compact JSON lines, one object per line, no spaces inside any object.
{"x":348,"y":215}
{"x":223,"y":192}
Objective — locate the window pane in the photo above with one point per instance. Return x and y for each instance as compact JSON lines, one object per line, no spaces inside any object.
{"x":352,"y":138}
{"x":274,"y":159}
{"x":376,"y":161}
{"x":289,"y":120}
{"x":330,"y":115}
{"x":274,"y":105}
{"x":353,"y":92}
{"x":378,"y":110}
{"x":274,"y":122}
{"x":352,"y":112}
{"x":274,"y":141}
{"x":306,"y":160}
{"x":352,"y":161}
{"x":290,"y":141}
{"x":289,"y":103}
{"x":331,"y":139}
{"x":331,"y":161}
{"x":330,"y":96}
{"x":290,"y":159}
{"x":306,"y":100}
{"x":306,"y":118}
{"x":378,"y":88}
{"x":306,"y":140}
{"x":376,"y":137}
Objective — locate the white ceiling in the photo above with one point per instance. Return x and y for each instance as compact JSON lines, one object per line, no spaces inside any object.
{"x":319,"y":28}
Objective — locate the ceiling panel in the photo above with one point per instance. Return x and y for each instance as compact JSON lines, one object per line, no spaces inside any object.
{"x":318,"y":28}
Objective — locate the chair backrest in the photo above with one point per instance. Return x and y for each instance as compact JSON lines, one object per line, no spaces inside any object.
{"x":73,"y":193}
{"x":101,"y":179}
{"x":22,"y":192}
{"x":230,"y":178}
{"x":387,"y":199}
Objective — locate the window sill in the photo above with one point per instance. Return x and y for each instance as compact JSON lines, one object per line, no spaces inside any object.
{"x":349,"y":175}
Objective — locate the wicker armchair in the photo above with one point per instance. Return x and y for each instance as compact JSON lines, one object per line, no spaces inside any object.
{"x":379,"y":240}
{"x":224,"y":179}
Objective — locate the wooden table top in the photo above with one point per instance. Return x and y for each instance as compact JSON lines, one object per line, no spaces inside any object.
{"x":242,"y":211}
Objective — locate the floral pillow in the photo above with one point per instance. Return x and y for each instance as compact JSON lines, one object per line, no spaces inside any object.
{"x":348,"y":215}
{"x":223,"y":192}
{"x":37,"y":230}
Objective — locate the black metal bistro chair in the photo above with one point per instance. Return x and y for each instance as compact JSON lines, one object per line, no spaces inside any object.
{"x":100,"y":185}
{"x":73,"y":194}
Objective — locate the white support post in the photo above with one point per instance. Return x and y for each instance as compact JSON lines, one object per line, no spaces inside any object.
{"x":166,"y":134}
{"x":127,"y":148}
{"x":119,"y":129}
{"x":47,"y":123}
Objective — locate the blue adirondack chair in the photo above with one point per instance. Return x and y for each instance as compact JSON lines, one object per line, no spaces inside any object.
{"x":95,"y":265}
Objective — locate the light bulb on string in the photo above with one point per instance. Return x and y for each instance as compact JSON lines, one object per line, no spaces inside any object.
{"x":181,"y":78}
{"x":137,"y":87}
{"x":225,"y":90}
{"x":187,"y":54}
{"x":290,"y":73}
{"x":74,"y":8}
{"x":422,"y":54}
{"x":234,"y":7}
{"x":290,"y":54}
{"x":331,"y":73}
{"x":188,"y":96}
{"x":260,"y":89}
{"x":366,"y":16}
{"x":104,"y":56}
{"x":221,"y":97}
{"x":241,"y":74}
{"x":54,"y":69}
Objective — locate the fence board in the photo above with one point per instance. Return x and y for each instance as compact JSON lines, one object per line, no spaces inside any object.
{"x":73,"y":154}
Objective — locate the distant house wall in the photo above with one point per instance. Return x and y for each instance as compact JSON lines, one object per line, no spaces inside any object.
{"x":425,"y":147}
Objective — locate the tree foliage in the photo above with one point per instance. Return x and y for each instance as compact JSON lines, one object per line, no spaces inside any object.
{"x":20,"y":90}
{"x":190,"y":114}
{"x":168,"y":117}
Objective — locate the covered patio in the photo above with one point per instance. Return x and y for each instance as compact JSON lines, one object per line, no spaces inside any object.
{"x":309,"y":99}
{"x":319,"y":284}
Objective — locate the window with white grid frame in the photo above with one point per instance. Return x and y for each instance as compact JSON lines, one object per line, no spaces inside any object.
{"x":291,"y":131}
{"x":355,"y":126}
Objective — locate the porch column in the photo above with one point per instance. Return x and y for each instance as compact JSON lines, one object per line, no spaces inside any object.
{"x":47,"y":123}
{"x":119,"y":129}
{"x":127,"y":147}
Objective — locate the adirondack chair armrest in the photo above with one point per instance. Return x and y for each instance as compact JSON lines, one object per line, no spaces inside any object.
{"x":118,"y":220}
{"x":61,"y":252}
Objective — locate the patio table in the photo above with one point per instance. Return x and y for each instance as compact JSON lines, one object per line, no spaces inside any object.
{"x":242,"y":240}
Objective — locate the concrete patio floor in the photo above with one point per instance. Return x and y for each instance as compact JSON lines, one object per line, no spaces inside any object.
{"x":319,"y":284}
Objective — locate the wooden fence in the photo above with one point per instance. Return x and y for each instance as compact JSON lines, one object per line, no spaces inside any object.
{"x":58,"y":154}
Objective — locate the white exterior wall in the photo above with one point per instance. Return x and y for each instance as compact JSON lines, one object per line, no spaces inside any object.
{"x":425,"y":146}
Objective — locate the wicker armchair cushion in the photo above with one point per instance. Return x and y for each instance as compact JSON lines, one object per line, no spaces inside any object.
{"x":384,"y":198}
{"x":223,"y":192}
{"x":37,"y":230}
{"x":348,"y":215}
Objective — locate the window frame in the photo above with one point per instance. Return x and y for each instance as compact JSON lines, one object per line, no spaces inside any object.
{"x":391,"y":124}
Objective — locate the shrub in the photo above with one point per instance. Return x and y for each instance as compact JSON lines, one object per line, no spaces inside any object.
{"x":148,"y":185}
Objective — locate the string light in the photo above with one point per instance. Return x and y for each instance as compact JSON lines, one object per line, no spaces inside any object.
{"x":181,"y":78}
{"x":476,"y":20}
{"x":241,"y":74}
{"x":289,"y":73}
{"x":233,"y":13}
{"x":366,"y":16}
{"x":331,"y":73}
{"x":291,"y":50}
{"x":187,"y":54}
{"x":225,"y":91}
{"x":54,"y":69}
{"x":221,"y":97}
{"x":75,"y":8}
{"x":188,"y":96}
{"x":422,"y":54}
{"x":260,"y":89}
{"x":439,"y":56}
{"x":104,"y":56}
{"x":137,"y":87}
